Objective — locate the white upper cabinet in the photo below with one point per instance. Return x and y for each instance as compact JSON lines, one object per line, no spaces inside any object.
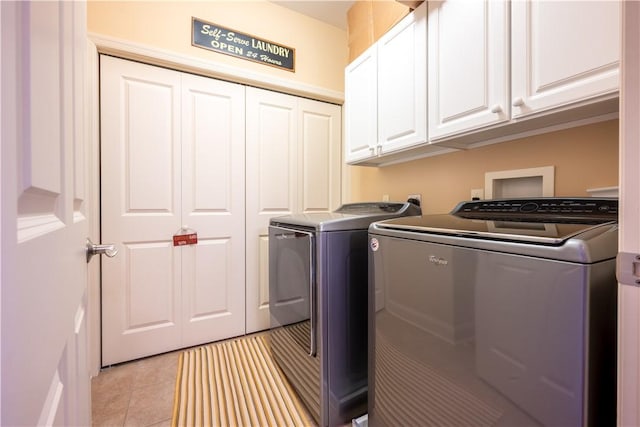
{"x":468,"y":65}
{"x":361,"y":106}
{"x":386,"y":95}
{"x":402,"y":83}
{"x":499,"y":68}
{"x":496,"y":69}
{"x":563,"y":53}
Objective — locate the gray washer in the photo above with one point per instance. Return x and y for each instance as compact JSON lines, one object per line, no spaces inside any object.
{"x":350,"y":216}
{"x":318,"y":305}
{"x":500,"y":313}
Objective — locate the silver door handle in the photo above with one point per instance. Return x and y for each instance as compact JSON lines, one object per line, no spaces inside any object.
{"x":313,"y":295}
{"x":93,"y":249}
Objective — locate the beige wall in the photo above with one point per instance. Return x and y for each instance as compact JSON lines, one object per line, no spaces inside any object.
{"x":321,"y":49}
{"x":368,"y":20}
{"x":584,"y":157}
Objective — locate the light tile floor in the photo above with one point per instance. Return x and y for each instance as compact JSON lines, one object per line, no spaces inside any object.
{"x":138,"y":393}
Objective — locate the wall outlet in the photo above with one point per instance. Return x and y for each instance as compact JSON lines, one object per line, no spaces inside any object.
{"x":385,"y":197}
{"x":418,"y":197}
{"x":477,"y":193}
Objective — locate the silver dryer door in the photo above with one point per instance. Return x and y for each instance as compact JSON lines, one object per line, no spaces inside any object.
{"x":292,"y":290}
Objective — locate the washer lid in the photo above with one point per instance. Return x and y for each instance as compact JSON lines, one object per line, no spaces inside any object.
{"x":546,"y":233}
{"x":351,"y":216}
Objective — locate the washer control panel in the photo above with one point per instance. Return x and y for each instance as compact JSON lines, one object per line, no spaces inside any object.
{"x":541,"y":207}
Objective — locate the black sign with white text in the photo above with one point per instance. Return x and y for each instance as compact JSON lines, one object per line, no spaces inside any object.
{"x":220,"y":39}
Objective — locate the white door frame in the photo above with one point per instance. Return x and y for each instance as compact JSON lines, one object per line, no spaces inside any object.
{"x":93,"y":187}
{"x":163,"y":58}
{"x":629,"y":295}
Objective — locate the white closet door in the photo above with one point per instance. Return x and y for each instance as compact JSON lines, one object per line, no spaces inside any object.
{"x":272,"y":188}
{"x":213,"y":273}
{"x":319,"y":134}
{"x":141,"y":208}
{"x":172,"y":160}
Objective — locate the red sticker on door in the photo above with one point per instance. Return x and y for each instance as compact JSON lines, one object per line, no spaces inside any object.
{"x":185,"y":239}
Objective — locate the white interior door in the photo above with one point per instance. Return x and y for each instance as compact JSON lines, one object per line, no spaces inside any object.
{"x":141,"y":197}
{"x":213,"y":271}
{"x":172,"y":159}
{"x":45,"y":378}
{"x":272,"y":188}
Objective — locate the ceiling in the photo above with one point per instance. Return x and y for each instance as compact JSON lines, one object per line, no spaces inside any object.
{"x":333,"y":12}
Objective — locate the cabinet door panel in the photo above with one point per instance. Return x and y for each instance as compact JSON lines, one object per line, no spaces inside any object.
{"x":361,"y":108}
{"x":563,"y":53}
{"x":468,"y":70}
{"x":402,"y":86}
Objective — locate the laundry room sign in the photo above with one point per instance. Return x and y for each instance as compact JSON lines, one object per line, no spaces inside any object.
{"x":185,"y":236}
{"x":224,"y":40}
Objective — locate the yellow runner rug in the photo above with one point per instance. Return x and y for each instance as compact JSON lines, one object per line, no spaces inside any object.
{"x":235,"y":383}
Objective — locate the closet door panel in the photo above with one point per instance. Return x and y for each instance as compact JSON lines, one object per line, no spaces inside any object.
{"x":140,"y":209}
{"x":213,"y":179}
{"x":272,"y":188}
{"x":172,"y":163}
{"x":320,"y":127}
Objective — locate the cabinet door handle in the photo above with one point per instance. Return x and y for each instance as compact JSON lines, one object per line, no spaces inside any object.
{"x":518,"y":102}
{"x":497,"y":109}
{"x":372,"y":150}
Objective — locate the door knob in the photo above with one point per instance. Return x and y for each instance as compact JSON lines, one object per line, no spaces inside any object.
{"x":93,"y":249}
{"x":518,"y":102}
